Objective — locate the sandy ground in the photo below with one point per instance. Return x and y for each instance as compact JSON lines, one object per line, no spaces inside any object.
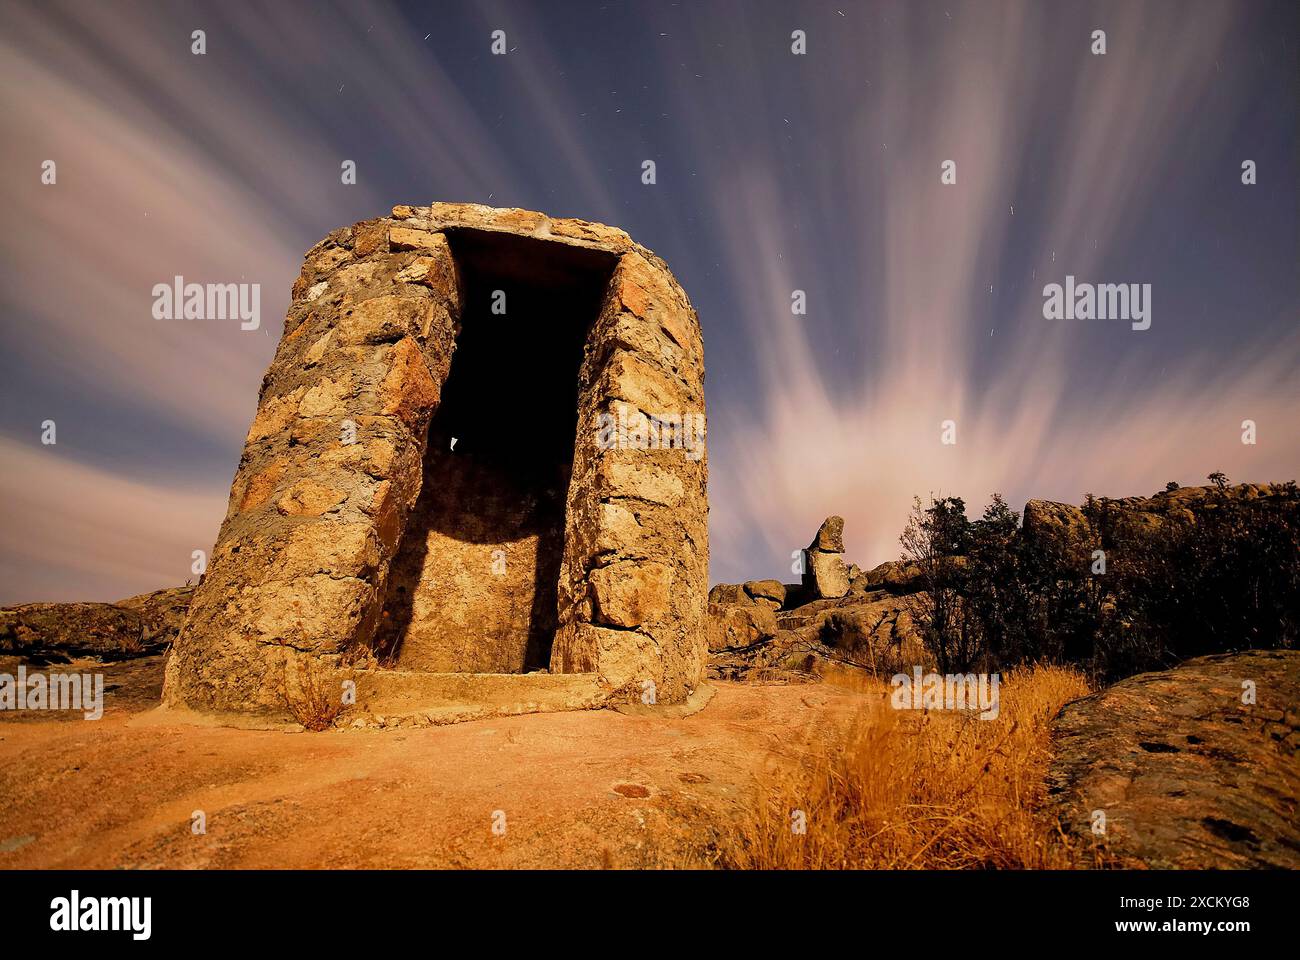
{"x":583,"y":789}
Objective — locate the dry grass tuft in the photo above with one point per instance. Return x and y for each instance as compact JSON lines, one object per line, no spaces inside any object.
{"x":917,"y":789}
{"x":314,"y":706}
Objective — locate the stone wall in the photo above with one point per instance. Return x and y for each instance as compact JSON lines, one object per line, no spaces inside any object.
{"x":354,"y":529}
{"x":634,"y":579}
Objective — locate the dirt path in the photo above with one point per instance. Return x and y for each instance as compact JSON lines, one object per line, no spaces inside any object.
{"x":584,"y":789}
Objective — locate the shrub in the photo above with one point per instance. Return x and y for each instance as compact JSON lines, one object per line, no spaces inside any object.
{"x":314,"y":706}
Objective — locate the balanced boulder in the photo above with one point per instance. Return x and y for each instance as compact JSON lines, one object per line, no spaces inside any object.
{"x":825,"y":576}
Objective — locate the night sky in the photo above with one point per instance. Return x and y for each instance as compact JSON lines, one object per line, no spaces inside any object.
{"x":775,"y":172}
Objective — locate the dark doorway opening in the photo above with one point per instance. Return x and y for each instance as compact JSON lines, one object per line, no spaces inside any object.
{"x":473,"y":585}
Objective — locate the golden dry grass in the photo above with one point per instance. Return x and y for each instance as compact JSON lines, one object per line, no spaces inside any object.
{"x":907,"y":789}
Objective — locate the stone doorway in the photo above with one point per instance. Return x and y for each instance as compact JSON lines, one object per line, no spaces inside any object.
{"x":473,"y":585}
{"x":535,"y":565}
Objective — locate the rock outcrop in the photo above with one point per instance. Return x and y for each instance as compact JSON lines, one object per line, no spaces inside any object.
{"x":736,"y":625}
{"x":1055,"y":525}
{"x":1048,"y":522}
{"x":768,"y":593}
{"x":763,"y":629}
{"x":896,"y":576}
{"x":741,"y":615}
{"x":835,"y":600}
{"x":54,"y":632}
{"x":873,"y":632}
{"x":1184,"y":770}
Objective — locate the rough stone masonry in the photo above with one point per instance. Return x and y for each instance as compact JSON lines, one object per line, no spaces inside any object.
{"x":424,"y":488}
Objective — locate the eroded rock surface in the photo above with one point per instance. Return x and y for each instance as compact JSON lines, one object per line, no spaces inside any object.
{"x":896,"y":576}
{"x":1060,"y":525}
{"x":1185,"y":773}
{"x":769,"y":593}
{"x":763,"y":629}
{"x":735,"y":625}
{"x":54,"y":632}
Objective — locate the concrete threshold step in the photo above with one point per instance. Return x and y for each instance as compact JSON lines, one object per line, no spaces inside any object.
{"x":410,"y":697}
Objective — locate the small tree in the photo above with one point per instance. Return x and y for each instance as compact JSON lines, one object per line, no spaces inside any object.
{"x":936,"y":540}
{"x":999,"y":590}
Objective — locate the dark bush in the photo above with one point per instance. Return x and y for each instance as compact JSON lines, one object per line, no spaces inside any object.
{"x":1222,"y":575}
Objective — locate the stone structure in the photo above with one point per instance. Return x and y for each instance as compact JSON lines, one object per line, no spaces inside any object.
{"x":477,"y":453}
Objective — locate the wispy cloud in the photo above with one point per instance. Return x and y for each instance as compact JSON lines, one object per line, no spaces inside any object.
{"x":776,"y":173}
{"x":1035,"y":414}
{"x":73,"y":532}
